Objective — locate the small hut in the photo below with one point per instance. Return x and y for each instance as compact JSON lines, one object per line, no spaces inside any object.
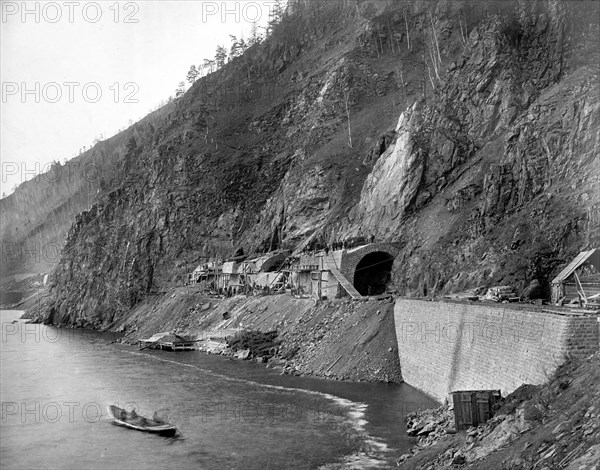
{"x":232,"y":273}
{"x":579,"y":280}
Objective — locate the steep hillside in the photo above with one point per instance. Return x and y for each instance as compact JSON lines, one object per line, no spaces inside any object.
{"x":495,"y":180}
{"x":468,"y":132}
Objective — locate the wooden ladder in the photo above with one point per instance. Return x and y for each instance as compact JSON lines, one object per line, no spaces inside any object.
{"x":330,"y":266}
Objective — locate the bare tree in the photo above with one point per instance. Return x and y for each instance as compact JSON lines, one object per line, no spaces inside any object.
{"x":346,"y":100}
{"x":407,"y":31}
{"x":436,"y":43}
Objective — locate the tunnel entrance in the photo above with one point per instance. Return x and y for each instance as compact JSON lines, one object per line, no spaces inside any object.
{"x":373,"y":273}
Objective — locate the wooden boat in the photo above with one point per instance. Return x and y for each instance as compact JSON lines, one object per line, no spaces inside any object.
{"x":131,"y":420}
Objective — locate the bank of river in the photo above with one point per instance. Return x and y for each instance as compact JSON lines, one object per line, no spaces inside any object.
{"x":57,"y":383}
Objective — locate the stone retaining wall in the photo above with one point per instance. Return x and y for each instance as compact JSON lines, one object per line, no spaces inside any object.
{"x":446,"y":346}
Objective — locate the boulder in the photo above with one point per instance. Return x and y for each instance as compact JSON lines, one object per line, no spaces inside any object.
{"x":243,"y":354}
{"x":532,"y":291}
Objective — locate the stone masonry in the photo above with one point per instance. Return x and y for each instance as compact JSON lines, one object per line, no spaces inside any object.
{"x":447,"y":346}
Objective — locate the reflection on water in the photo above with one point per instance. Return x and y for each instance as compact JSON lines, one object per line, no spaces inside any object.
{"x":56,"y":385}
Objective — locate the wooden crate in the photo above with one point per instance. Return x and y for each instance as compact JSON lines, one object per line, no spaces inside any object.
{"x":473,"y":407}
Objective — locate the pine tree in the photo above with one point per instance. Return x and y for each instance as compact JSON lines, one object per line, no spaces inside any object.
{"x":192,"y":74}
{"x":209,"y":65}
{"x":255,"y":37}
{"x":180,"y":89}
{"x":235,"y":50}
{"x":220,"y":56}
{"x":243,"y":45}
{"x":276,"y":15}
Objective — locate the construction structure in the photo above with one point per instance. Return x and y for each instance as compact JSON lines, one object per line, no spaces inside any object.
{"x":265,"y":271}
{"x":241,"y":274}
{"x":364,"y":270}
{"x":356,"y":272}
{"x":205,"y":274}
{"x":579,"y":281}
{"x":169,"y":341}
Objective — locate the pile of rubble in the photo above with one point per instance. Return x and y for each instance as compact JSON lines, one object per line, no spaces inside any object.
{"x":430,"y":425}
{"x":254,"y":344}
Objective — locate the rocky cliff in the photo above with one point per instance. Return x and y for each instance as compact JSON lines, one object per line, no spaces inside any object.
{"x":466,"y":132}
{"x":495,"y":179}
{"x":36,"y":217}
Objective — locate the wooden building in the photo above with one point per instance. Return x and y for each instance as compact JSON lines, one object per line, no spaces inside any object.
{"x":579,"y":280}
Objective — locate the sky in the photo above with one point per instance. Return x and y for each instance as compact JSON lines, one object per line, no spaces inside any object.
{"x":72,"y":71}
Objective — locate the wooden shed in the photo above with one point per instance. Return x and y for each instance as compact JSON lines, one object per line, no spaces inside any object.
{"x":473,"y":407}
{"x":579,"y":279}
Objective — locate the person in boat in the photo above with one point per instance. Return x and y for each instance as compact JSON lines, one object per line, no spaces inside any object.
{"x":157,"y":418}
{"x":139,"y":420}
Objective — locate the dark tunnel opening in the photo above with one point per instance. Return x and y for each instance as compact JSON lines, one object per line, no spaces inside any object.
{"x":373,"y":273}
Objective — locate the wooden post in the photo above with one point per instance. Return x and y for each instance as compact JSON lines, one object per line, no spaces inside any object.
{"x":580,"y":291}
{"x":217,"y":273}
{"x":319,"y":287}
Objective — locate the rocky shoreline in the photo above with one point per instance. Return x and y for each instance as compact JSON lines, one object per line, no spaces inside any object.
{"x":339,"y":339}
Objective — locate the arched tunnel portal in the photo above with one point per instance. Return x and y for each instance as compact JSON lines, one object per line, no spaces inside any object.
{"x":373,"y":273}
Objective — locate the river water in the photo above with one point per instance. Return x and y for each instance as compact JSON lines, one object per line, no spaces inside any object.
{"x":57,"y":383}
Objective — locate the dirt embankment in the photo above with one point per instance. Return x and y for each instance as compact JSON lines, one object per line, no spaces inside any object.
{"x":553,"y":426}
{"x":339,"y":339}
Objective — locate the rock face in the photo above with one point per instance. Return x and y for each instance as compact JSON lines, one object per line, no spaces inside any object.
{"x":492,"y":179}
{"x":470,"y":138}
{"x":393,"y":184}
